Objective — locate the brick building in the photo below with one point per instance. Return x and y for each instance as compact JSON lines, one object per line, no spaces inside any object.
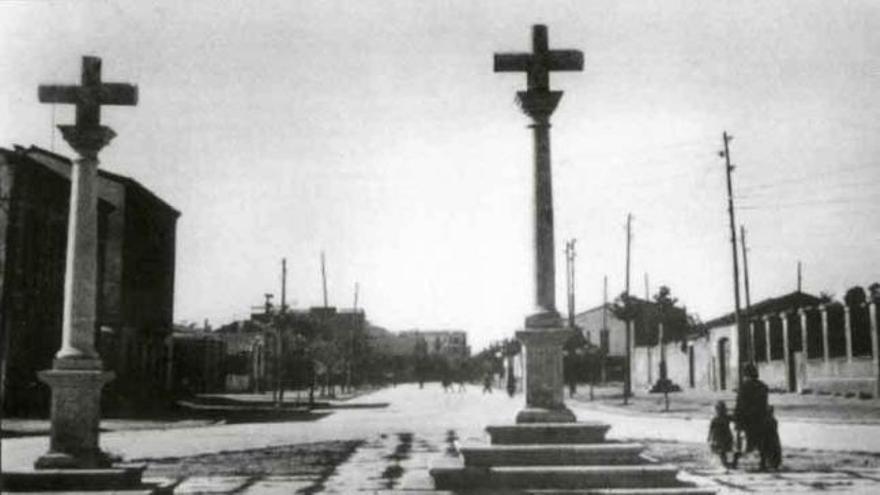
{"x":136,"y":256}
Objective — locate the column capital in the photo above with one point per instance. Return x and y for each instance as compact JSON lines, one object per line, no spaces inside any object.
{"x":87,"y":141}
{"x":538,"y":104}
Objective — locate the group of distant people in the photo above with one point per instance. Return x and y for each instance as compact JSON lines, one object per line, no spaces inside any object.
{"x":752,"y":416}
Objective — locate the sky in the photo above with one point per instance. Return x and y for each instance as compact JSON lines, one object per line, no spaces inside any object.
{"x":377,"y":132}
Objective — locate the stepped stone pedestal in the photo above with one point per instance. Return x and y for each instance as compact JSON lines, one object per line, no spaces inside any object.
{"x":566,"y":457}
{"x":120,"y":480}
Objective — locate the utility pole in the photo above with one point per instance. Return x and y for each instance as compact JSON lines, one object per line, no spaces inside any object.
{"x":800,"y":277}
{"x":647,"y":288}
{"x":728,"y":168}
{"x":283,"y":285}
{"x":352,"y":337}
{"x":627,"y":379}
{"x":324,"y":279}
{"x":279,"y":341}
{"x":745,"y":250}
{"x":750,"y":346}
{"x":569,"y":276}
{"x":603,"y":335}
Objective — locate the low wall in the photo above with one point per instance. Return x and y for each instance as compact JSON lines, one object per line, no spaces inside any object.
{"x":238,"y":383}
{"x":839,"y":376}
{"x":773,"y":374}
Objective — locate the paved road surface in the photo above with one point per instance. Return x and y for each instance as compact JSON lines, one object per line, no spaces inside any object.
{"x":429,"y":415}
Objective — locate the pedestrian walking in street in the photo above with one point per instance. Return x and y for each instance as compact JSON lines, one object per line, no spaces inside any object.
{"x":720,"y":438}
{"x":488,"y":378}
{"x":750,"y":414}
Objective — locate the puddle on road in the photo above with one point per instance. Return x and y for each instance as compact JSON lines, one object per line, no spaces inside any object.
{"x":394,"y":471}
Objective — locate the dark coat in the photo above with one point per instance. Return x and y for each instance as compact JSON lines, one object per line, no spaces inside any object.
{"x":750,"y":413}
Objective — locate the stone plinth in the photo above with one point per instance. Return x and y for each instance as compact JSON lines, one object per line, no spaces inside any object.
{"x":582,"y":432}
{"x":76,"y":414}
{"x":543,"y":378}
{"x":558,"y":477}
{"x":554,"y":455}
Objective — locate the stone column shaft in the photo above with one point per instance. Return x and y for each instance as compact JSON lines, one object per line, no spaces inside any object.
{"x":545,"y":255}
{"x":81,"y":269}
{"x":765,"y":321}
{"x":539,"y":105}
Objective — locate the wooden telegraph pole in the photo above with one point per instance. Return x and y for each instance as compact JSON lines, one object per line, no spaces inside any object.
{"x":728,"y":168}
{"x":627,"y":378}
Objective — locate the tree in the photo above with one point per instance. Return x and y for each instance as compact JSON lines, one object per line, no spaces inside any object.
{"x":666,"y":304}
{"x":855,"y":296}
{"x":874,"y":290}
{"x":625,"y":308}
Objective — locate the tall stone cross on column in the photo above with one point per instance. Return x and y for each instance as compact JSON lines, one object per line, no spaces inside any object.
{"x":544,"y":332}
{"x":77,"y":375}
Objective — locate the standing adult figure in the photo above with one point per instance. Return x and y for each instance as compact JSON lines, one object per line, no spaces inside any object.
{"x":750,"y":413}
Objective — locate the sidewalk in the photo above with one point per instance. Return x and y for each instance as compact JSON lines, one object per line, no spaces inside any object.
{"x":690,"y":403}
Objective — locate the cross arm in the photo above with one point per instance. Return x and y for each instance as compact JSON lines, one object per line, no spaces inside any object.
{"x":566,"y":60}
{"x":108,"y":94}
{"x":118,"y":94}
{"x":58,"y":94}
{"x":512,"y":62}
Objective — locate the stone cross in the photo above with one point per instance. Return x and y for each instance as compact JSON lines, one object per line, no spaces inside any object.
{"x":538,"y":102}
{"x":538,"y":64}
{"x":544,"y":332}
{"x":77,"y":374}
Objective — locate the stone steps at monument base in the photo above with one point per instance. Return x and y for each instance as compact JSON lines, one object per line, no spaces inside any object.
{"x":549,"y":433}
{"x":554,"y":455}
{"x":678,"y":490}
{"x":557,"y":477}
{"x":124,"y":481}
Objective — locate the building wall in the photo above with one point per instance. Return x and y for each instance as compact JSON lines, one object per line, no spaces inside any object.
{"x":34,"y":245}
{"x":790,"y":353}
{"x":591,"y":324}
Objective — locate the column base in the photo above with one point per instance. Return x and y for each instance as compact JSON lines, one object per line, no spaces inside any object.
{"x":544,"y":381}
{"x":542,"y":415}
{"x":86,"y":459}
{"x":76,"y":416}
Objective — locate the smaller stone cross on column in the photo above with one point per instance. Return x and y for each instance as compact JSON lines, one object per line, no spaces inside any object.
{"x":77,"y":374}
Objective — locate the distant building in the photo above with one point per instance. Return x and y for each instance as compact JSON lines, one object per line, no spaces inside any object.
{"x":251,"y":345}
{"x":136,"y":263}
{"x":451,"y":343}
{"x":197,"y":362}
{"x":602,"y":328}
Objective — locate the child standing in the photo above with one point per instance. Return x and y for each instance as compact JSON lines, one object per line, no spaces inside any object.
{"x":720,"y":439}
